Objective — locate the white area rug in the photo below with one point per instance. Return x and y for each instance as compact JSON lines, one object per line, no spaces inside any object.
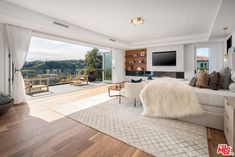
{"x":156,"y":136}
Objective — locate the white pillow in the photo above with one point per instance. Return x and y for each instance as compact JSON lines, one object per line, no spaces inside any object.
{"x":232,"y":87}
{"x":233,"y":77}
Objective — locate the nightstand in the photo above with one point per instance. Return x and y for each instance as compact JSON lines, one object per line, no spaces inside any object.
{"x":229,"y":120}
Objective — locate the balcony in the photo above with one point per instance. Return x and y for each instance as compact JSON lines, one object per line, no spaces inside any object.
{"x":54,"y":81}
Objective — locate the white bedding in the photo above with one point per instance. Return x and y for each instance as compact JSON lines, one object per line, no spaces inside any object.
{"x":169,"y":98}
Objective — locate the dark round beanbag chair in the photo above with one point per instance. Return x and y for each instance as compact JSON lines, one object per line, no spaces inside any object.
{"x":5,"y":103}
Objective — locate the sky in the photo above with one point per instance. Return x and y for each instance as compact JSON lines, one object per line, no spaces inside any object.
{"x":203,"y":52}
{"x":45,"y":49}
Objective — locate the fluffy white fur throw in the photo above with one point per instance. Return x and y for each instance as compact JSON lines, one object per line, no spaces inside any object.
{"x":169,"y":98}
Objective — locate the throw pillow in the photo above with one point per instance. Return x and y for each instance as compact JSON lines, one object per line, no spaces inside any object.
{"x":215,"y":80}
{"x":226,"y":74}
{"x":202,"y":80}
{"x":232,"y":87}
{"x":136,"y":81}
{"x":233,"y":77}
{"x":193,"y":81}
{"x":222,"y":81}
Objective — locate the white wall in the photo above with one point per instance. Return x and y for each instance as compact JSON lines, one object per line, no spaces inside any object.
{"x":186,"y":57}
{"x":118,"y":65}
{"x":179,"y":58}
{"x":216,"y":60}
{"x":189,"y":62}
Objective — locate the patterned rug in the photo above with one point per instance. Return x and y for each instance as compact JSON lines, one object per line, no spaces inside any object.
{"x":156,"y":136}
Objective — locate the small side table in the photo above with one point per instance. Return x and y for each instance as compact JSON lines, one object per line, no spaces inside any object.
{"x":116,"y":87}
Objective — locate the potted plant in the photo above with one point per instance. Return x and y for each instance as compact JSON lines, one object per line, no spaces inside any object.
{"x":91,"y":74}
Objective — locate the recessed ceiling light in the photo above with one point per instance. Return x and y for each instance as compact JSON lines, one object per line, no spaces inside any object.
{"x":184,"y":19}
{"x":225,"y":30}
{"x":137,"y":20}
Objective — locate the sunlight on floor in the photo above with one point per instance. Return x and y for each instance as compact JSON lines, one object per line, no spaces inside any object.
{"x":43,"y":107}
{"x":81,"y":104}
{"x":65,"y":88}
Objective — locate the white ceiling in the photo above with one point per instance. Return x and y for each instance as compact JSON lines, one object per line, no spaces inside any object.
{"x":224,"y":18}
{"x":164,"y":19}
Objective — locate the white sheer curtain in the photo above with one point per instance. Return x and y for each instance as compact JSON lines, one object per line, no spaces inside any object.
{"x":216,"y":56}
{"x":18,"y":40}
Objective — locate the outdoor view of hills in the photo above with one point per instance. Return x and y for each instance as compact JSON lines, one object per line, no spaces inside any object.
{"x":62,"y":71}
{"x":34,"y":68}
{"x":58,"y":72}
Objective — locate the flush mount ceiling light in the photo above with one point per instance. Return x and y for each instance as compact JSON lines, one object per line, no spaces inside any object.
{"x":137,"y":20}
{"x":225,"y":31}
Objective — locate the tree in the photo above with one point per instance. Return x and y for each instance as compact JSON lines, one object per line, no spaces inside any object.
{"x":93,"y":61}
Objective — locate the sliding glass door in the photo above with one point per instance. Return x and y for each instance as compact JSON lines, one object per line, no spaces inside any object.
{"x":107,"y":66}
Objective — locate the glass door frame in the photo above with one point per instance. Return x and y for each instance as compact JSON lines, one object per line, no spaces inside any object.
{"x":103,"y":67}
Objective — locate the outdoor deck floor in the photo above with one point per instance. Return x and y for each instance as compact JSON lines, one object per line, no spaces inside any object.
{"x":65,"y":88}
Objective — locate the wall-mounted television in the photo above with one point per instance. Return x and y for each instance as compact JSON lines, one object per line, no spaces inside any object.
{"x":166,"y":58}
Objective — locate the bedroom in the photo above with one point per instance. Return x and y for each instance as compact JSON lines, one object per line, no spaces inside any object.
{"x":157,"y":40}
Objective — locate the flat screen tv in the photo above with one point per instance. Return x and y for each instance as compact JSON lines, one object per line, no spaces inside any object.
{"x":166,"y":58}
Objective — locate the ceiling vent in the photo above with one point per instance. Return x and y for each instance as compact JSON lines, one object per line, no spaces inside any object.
{"x":112,"y":40}
{"x":61,"y":24}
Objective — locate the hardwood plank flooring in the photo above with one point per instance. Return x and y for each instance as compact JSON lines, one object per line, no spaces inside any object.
{"x":31,"y":129}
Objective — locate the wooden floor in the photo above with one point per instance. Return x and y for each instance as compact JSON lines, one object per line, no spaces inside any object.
{"x":34,"y":130}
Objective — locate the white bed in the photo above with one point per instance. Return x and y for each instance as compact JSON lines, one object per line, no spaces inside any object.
{"x":212,"y":102}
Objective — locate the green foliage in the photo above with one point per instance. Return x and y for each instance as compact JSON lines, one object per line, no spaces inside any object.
{"x":40,"y":67}
{"x":29,"y":73}
{"x":69,"y":78}
{"x":65,"y":68}
{"x":93,"y":60}
{"x":93,"y":68}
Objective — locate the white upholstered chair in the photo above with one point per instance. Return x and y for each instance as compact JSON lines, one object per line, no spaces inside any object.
{"x":132,"y":90}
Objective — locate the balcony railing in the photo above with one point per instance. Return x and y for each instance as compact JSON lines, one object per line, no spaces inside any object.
{"x":57,"y":76}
